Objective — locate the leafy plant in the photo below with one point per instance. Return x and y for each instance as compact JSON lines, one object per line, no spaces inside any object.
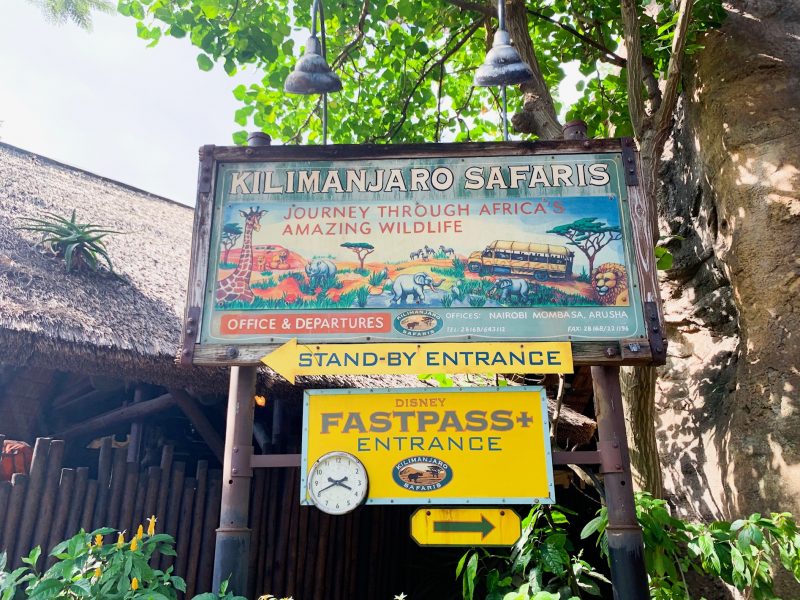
{"x":81,"y":245}
{"x":742,"y":553}
{"x":88,"y":567}
{"x":447,"y":300}
{"x":543,"y":565}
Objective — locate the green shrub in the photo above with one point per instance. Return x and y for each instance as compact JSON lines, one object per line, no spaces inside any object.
{"x":88,"y":567}
{"x":743,"y":554}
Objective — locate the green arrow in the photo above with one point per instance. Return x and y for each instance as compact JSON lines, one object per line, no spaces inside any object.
{"x":483,"y":527}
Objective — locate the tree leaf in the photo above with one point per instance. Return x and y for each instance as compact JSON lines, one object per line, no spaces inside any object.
{"x":204,"y":62}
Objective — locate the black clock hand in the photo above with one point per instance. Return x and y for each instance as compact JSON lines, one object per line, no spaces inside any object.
{"x":335,"y":482}
{"x":339,"y":483}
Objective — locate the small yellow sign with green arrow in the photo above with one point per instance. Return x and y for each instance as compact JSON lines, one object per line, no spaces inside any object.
{"x":465,"y":527}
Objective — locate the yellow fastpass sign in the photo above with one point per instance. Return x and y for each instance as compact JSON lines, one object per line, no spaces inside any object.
{"x":436,"y":446}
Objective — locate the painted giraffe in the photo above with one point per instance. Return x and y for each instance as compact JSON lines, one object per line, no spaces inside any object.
{"x":236,"y":286}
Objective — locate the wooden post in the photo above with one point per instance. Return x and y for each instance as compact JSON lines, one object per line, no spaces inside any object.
{"x":625,"y":545}
{"x":232,"y":550}
{"x":30,"y":511}
{"x":137,"y":427}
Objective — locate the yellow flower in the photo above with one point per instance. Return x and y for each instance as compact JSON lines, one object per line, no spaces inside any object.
{"x":98,"y":540}
{"x":134,"y":584}
{"x":97,"y":572}
{"x":139,"y":532}
{"x":151,"y":525}
{"x":134,"y":544}
{"x":120,"y":540}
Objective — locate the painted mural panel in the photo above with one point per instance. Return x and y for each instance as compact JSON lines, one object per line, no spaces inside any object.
{"x":492,"y":248}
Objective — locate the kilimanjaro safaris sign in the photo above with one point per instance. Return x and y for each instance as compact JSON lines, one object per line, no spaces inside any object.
{"x":421,"y":244}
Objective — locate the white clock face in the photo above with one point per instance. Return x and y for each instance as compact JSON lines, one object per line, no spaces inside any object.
{"x":337,"y":483}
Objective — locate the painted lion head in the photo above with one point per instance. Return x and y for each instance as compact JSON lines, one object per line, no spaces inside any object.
{"x":610,"y":284}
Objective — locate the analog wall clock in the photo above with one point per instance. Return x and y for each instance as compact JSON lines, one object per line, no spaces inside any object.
{"x":337,"y":483}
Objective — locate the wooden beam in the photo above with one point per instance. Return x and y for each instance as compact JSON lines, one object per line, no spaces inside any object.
{"x":124,"y":414}
{"x":203,"y":426}
{"x":93,"y":397}
{"x":265,"y":461}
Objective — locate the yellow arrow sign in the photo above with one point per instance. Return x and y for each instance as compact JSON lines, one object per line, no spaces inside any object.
{"x":465,"y":527}
{"x":293,"y":359}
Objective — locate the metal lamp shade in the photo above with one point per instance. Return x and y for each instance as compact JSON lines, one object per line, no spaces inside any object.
{"x":311,"y":74}
{"x":503,"y":64}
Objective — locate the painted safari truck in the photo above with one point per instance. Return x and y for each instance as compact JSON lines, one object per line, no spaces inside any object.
{"x":540,"y":261}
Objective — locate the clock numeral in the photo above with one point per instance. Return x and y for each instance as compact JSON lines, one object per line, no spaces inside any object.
{"x":338,"y":459}
{"x":319,"y":472}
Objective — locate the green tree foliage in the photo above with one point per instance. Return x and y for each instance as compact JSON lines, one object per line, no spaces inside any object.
{"x":589,"y":236}
{"x":407,"y":65}
{"x":78,"y":12}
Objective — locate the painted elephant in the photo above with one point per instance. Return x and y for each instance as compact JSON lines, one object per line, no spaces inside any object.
{"x":506,"y":287}
{"x":413,"y":285}
{"x":319,"y":270}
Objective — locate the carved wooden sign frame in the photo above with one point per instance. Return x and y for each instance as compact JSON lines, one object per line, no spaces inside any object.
{"x":542,"y":241}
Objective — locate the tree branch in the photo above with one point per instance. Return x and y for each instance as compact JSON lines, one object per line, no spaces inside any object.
{"x":442,"y":59}
{"x":633,"y":45}
{"x":538,"y":114}
{"x":607,"y":55}
{"x":342,"y":56}
{"x":663,"y":117}
{"x":484,"y":9}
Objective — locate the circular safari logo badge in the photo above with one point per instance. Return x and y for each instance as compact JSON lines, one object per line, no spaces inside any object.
{"x":418,"y":322}
{"x":422,"y":473}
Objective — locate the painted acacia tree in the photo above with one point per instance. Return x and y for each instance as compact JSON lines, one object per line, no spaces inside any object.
{"x":588,"y":235}
{"x":407,"y":68}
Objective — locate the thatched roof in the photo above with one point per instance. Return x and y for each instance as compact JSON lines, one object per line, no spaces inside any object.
{"x":128,"y":322}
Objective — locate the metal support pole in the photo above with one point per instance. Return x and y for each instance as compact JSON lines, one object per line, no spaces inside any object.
{"x":625,"y":545}
{"x":505,"y":112}
{"x":232,"y":551}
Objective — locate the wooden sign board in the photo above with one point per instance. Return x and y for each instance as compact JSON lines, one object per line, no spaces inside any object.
{"x":436,"y":445}
{"x":425,"y":243}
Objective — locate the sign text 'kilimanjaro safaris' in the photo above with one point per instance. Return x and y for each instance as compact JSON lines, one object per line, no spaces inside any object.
{"x":433,"y":243}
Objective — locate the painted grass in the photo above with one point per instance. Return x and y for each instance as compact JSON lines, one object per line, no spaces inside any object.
{"x":346,"y":300}
{"x":362,"y":295}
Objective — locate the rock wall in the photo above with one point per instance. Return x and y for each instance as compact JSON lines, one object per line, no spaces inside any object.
{"x":729,"y":397}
